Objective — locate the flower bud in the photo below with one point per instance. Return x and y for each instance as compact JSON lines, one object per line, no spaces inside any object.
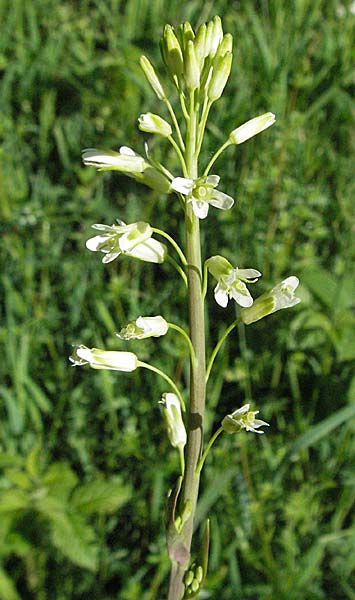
{"x":251,"y":128}
{"x":151,"y":123}
{"x":192,"y":71}
{"x":152,"y":77}
{"x":225,"y":46}
{"x":104,"y":359}
{"x":217,"y":35}
{"x":171,"y":52}
{"x":199,"y":43}
{"x":188,"y":33}
{"x":221,"y":70}
{"x":171,"y":409}
{"x":144,"y":327}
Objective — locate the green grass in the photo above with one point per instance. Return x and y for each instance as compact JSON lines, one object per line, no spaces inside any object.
{"x":282,"y":506}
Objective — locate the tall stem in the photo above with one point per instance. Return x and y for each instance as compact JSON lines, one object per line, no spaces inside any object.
{"x":198,"y":367}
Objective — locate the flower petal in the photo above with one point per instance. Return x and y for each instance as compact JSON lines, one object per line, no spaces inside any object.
{"x":149,"y":251}
{"x":248,"y":274}
{"x":182,"y":185}
{"x":221,"y":295}
{"x":200,"y":208}
{"x":241,"y":294}
{"x":97,"y":242}
{"x":221,"y":200}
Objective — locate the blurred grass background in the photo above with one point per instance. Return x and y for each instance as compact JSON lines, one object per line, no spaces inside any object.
{"x":84,"y":464}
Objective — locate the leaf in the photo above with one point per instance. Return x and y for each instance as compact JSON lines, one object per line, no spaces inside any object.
{"x":315,"y":433}
{"x":74,"y":539}
{"x":100,"y":496}
{"x":323,"y":285}
{"x":7,"y":587}
{"x":13,"y":500}
{"x":33,"y":460}
{"x":60,"y":479}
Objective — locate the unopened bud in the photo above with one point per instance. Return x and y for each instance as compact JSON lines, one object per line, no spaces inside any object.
{"x":217,"y":35}
{"x":200,"y":41}
{"x":152,"y":77}
{"x":251,"y":128}
{"x":226,"y":45}
{"x":192,"y":71}
{"x":151,"y":123}
{"x":221,"y":70}
{"x":171,"y":52}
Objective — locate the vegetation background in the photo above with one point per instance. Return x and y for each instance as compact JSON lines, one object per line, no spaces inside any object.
{"x":85,"y":465}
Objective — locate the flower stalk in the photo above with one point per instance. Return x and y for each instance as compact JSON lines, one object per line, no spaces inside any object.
{"x":199,"y":66}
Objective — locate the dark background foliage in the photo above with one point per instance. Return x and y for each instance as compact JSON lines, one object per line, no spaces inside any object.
{"x":85,"y":465}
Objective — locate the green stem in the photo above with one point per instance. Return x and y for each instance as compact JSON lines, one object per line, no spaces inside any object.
{"x":218,"y":347}
{"x":179,"y":154}
{"x":187,"y":338}
{"x":172,"y":242}
{"x":205,"y":280}
{"x":183,"y":107}
{"x":176,"y":124}
{"x":215,"y":156}
{"x":208,"y":447}
{"x":182,"y":459}
{"x":178,"y":268}
{"x":166,"y":377}
{"x":206,"y":109}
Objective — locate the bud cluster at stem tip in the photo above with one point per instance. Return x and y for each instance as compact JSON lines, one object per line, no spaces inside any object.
{"x":198,"y":60}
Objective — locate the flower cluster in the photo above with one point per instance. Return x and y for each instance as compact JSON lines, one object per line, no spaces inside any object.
{"x":198,"y":61}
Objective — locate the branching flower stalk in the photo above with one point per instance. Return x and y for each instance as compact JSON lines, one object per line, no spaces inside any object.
{"x":198,"y":64}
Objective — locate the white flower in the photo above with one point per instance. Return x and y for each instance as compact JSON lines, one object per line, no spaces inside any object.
{"x":125,"y":160}
{"x":281,"y":296}
{"x":201,"y":192}
{"x":104,"y":359}
{"x":144,"y":327}
{"x":171,"y":409}
{"x":243,"y":419}
{"x":133,"y":240}
{"x":251,"y":128}
{"x":130,"y":163}
{"x":231,"y":281}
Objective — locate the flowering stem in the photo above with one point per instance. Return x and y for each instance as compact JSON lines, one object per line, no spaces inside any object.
{"x":166,"y":377}
{"x":215,"y":156}
{"x":187,"y":338}
{"x":207,"y":449}
{"x":218,"y":347}
{"x":191,"y":480}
